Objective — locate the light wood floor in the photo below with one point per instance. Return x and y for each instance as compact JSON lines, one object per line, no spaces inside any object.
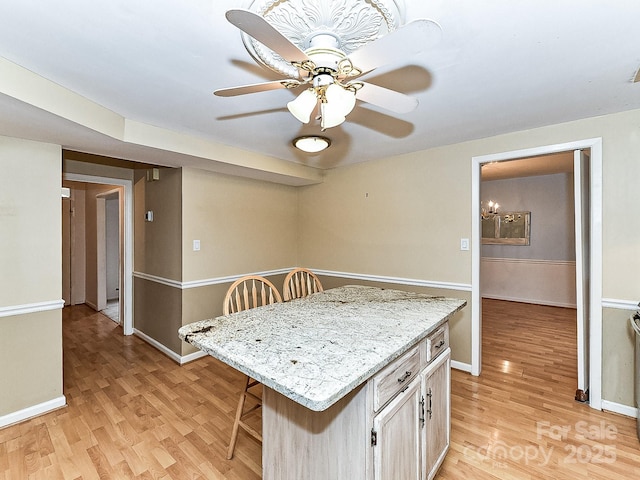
{"x":519,"y":419}
{"x":134,"y":413}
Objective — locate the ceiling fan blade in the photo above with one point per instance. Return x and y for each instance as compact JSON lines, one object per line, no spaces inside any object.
{"x":255,"y":88}
{"x":411,"y":38}
{"x":257,"y":27}
{"x":389,"y":99}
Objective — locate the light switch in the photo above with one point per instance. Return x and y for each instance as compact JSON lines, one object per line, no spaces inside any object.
{"x":196,"y":245}
{"x":464,"y":244}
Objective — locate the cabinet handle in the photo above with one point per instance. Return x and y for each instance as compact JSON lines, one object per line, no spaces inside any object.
{"x":429,"y":410}
{"x":440,"y":344}
{"x":406,"y":375}
{"x":422,"y":412}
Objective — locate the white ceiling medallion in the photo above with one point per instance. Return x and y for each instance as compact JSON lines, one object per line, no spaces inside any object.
{"x":353,"y":23}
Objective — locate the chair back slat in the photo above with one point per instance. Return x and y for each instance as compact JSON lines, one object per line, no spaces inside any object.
{"x":300,"y":282}
{"x":248,"y":292}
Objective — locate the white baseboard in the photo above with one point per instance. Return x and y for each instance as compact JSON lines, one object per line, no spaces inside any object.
{"x":154,"y":343}
{"x":465,"y":367}
{"x":192,"y":356}
{"x":528,"y":300}
{"x":92,"y":305}
{"x":33,"y":411}
{"x":619,"y":408}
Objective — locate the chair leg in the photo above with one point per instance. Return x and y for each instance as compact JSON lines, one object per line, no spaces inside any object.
{"x":236,"y":423}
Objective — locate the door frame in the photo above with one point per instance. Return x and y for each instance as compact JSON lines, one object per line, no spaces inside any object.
{"x":127,"y":251}
{"x":595,"y":305}
{"x":102,"y":222}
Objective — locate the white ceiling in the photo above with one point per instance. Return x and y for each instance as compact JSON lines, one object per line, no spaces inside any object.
{"x":501,"y":66}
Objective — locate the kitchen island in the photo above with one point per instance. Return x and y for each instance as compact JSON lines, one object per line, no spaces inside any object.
{"x":333,"y":363}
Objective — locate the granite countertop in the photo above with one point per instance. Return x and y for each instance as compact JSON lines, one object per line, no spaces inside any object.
{"x":315,"y":350}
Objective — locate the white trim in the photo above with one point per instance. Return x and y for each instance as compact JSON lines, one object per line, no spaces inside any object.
{"x":619,"y":304}
{"x":619,"y":408}
{"x":127,"y":280}
{"x":33,"y":411}
{"x":163,"y":281}
{"x":205,"y":282}
{"x":231,"y":278}
{"x":476,"y":301}
{"x":532,"y":302}
{"x":464,"y":287}
{"x":465,"y":367}
{"x":595,"y":340}
{"x":529,"y":261}
{"x":91,"y":304}
{"x":31,"y":308}
{"x":167,"y":351}
{"x":154,"y":343}
{"x":192,"y":356}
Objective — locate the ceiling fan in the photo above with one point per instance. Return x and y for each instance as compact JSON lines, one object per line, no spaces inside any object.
{"x":331,"y":75}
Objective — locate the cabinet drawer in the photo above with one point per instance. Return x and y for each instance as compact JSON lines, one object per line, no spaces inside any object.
{"x":395,"y":376}
{"x":437,"y":342}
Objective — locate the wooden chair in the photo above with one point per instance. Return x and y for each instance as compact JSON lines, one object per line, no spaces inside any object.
{"x":248,"y":292}
{"x":300,"y":282}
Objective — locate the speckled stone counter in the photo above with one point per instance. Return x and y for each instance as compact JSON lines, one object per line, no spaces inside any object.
{"x":317,"y":349}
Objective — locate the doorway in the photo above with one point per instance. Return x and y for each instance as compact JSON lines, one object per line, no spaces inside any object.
{"x":109,"y":253}
{"x":125,"y":249}
{"x":591,"y":302}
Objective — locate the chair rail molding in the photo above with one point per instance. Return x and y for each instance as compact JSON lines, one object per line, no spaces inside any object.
{"x":31,"y":308}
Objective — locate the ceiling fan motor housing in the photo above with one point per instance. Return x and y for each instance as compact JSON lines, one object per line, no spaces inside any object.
{"x":326,"y":30}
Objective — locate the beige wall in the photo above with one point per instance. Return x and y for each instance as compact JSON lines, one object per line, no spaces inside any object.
{"x":404,"y":217}
{"x":618,"y":366}
{"x":157,"y":252}
{"x":157,"y":312}
{"x":31,"y":222}
{"x":30,"y":262}
{"x":158,"y":244}
{"x":243,"y":225}
{"x":400,"y":217}
{"x":30,"y":360}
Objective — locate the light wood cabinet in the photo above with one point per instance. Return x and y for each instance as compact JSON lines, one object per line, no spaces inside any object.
{"x":436,"y":387}
{"x":396,"y":437}
{"x":411,"y":433}
{"x":393,"y":427}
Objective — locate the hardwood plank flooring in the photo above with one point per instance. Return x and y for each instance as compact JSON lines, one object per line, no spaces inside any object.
{"x":519,"y":419}
{"x":134,"y":413}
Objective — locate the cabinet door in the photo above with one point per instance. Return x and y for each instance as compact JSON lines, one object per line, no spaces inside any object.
{"x":396,"y":437}
{"x":437,"y":395}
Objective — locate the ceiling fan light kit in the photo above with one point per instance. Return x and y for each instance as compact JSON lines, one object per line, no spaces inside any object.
{"x":311,"y":143}
{"x":336,"y":101}
{"x":304,"y":104}
{"x":327,"y":45}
